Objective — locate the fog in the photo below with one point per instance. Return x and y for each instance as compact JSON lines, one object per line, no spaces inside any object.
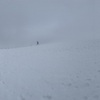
{"x":65,"y":62}
{"x":22,"y":22}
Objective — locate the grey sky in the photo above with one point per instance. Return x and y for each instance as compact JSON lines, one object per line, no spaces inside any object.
{"x":26,"y":19}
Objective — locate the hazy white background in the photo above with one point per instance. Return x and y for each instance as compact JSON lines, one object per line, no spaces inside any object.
{"x":22,"y":22}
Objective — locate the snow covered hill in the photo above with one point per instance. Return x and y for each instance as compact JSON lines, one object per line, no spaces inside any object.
{"x":56,"y":71}
{"x":66,"y":63}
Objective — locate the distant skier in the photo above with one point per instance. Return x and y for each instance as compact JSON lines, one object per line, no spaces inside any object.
{"x":37,"y":43}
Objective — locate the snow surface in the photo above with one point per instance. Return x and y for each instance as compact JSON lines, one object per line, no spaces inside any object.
{"x":66,"y":63}
{"x":56,"y":71}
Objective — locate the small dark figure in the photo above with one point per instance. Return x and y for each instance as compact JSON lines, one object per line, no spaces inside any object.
{"x":37,"y":43}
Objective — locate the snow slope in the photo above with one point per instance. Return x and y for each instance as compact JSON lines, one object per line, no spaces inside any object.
{"x":57,"y":71}
{"x":66,"y":64}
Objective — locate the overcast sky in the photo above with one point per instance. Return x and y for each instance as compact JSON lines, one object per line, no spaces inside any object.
{"x":26,"y":19}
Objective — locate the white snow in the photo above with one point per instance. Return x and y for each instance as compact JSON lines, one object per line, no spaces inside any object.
{"x":66,"y":63}
{"x":56,"y":71}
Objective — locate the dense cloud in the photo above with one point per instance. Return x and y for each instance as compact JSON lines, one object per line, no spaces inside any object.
{"x":24,"y":20}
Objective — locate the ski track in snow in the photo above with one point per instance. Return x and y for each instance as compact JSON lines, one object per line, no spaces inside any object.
{"x":56,"y":71}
